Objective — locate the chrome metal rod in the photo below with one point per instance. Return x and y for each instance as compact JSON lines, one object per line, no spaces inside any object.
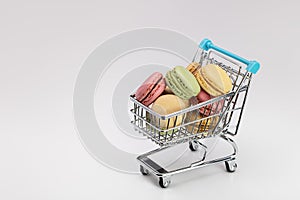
{"x":151,"y":152}
{"x":229,"y":102}
{"x":160,"y":171}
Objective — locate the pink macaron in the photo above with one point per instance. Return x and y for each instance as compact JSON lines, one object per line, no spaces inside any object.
{"x":151,"y":89}
{"x":210,"y":109}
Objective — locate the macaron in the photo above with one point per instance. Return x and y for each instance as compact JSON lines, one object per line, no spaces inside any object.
{"x":192,"y":67}
{"x":151,"y":89}
{"x":212,"y":108}
{"x":203,"y":96}
{"x":182,"y":82}
{"x":213,"y":79}
{"x":201,"y":125}
{"x":154,"y":121}
{"x":167,"y":104}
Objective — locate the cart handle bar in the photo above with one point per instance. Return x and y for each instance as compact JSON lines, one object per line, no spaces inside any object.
{"x":252,"y":66}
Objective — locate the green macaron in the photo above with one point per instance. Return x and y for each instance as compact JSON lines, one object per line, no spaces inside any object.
{"x":182,"y":82}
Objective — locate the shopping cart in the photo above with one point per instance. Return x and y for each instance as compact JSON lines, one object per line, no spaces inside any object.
{"x":189,"y":125}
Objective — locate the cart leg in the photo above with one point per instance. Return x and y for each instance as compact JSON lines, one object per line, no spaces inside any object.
{"x":164,"y":181}
{"x":230,"y":165}
{"x":193,"y":145}
{"x":143,"y":170}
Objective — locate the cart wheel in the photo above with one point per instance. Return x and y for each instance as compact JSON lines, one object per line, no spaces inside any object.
{"x":230,"y":165}
{"x":164,"y":182}
{"x":194,"y":146}
{"x":143,"y":170}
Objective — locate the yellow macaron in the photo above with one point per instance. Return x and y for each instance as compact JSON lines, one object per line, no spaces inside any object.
{"x":167,"y":104}
{"x":213,"y":79}
{"x":201,"y":125}
{"x":192,"y":67}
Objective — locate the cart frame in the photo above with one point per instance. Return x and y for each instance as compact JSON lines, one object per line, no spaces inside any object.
{"x":182,"y":127}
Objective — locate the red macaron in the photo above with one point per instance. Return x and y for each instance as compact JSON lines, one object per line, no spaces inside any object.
{"x":151,"y":89}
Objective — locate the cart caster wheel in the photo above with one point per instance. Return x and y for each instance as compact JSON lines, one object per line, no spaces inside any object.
{"x":164,"y":182}
{"x":143,"y":170}
{"x":194,"y":146}
{"x":230,"y":165}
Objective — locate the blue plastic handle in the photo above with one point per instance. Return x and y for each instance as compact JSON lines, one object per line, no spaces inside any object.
{"x":252,"y":66}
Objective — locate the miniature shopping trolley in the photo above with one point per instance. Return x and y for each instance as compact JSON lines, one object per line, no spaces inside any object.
{"x":187,"y":126}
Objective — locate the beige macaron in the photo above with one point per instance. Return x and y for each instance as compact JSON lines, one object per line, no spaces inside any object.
{"x":167,"y":104}
{"x":214,"y":80}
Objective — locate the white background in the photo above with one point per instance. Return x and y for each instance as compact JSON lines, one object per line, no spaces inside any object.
{"x":43,"y":45}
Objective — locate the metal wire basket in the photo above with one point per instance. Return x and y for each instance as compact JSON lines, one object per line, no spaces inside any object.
{"x":220,"y":116}
{"x":191,"y":124}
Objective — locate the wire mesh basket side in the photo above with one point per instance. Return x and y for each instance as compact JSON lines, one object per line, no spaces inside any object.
{"x":186,"y":125}
{"x":199,"y":121}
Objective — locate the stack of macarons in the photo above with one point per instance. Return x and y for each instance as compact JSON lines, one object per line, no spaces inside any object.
{"x":174,"y":91}
{"x":168,"y":95}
